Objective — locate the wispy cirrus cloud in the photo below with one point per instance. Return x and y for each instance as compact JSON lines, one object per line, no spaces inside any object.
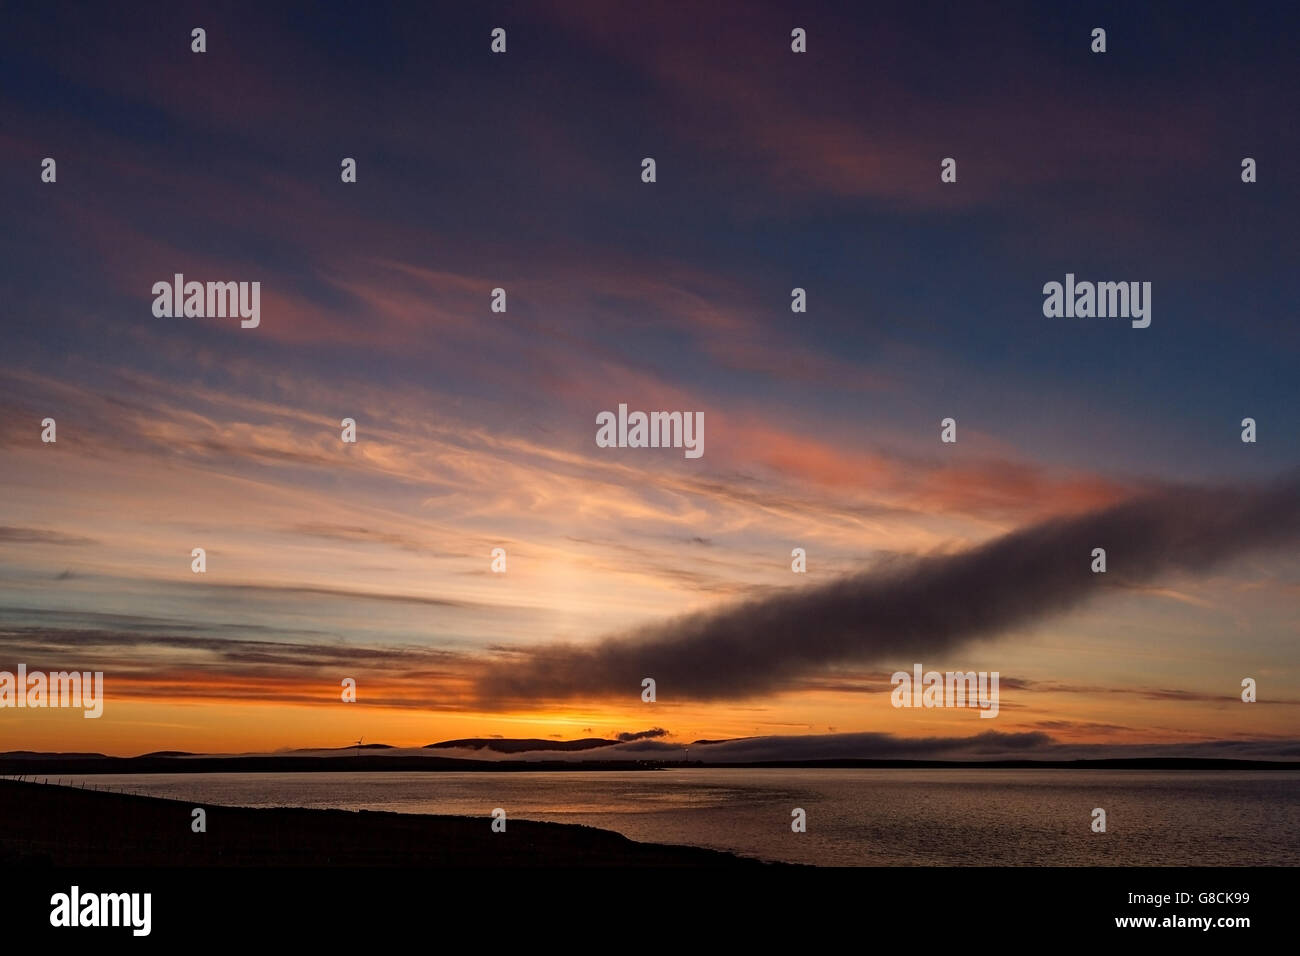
{"x":14,"y":535}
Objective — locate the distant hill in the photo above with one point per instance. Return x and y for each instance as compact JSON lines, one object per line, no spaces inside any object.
{"x":300,"y":763}
{"x":504,"y":745}
{"x":44,"y":755}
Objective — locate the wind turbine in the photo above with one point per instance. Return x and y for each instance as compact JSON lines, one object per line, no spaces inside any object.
{"x":359,"y":739}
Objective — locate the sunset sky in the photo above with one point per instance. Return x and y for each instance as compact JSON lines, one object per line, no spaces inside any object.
{"x":476,"y":429}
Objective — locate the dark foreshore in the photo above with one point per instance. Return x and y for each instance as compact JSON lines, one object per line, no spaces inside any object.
{"x":58,"y":826}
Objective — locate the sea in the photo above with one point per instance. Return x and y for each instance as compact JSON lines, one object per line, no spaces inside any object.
{"x":854,"y":817}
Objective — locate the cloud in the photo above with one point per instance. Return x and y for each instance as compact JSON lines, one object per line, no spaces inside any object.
{"x":642,"y":735}
{"x":333,"y":592}
{"x":192,"y":666}
{"x":41,"y":536}
{"x":352,"y":533}
{"x":991,"y":745}
{"x":872,"y":746}
{"x":908,"y":609}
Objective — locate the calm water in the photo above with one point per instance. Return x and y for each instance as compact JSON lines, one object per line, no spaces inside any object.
{"x":855,"y":817}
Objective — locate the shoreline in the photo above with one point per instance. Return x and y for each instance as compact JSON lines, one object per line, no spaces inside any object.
{"x":44,"y":825}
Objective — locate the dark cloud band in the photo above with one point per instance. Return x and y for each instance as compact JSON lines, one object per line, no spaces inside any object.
{"x":915,"y":608}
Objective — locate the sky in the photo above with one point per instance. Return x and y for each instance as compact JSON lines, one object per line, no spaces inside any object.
{"x":476,"y":429}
